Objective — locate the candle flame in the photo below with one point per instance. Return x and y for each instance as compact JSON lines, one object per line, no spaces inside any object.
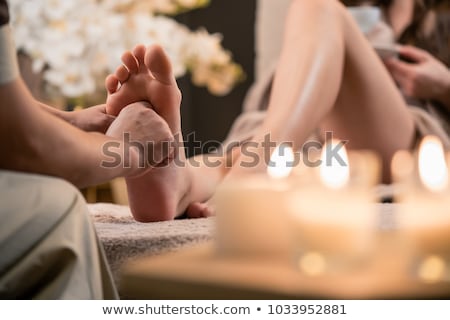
{"x":433,"y":170}
{"x":281,"y":162}
{"x":312,"y":263}
{"x":432,"y":269}
{"x":334,"y":171}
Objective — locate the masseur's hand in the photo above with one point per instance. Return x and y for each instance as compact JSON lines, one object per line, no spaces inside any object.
{"x":91,"y":119}
{"x":424,"y":77}
{"x":145,"y":132}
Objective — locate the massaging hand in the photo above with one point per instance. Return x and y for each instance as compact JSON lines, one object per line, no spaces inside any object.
{"x":140,"y":126}
{"x":91,"y":119}
{"x":424,"y":77}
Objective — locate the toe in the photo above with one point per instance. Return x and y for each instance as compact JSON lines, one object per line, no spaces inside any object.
{"x":122,"y":74}
{"x":111,"y":83}
{"x":130,"y":62}
{"x":199,"y":210}
{"x":159,"y":64}
{"x":139,"y":54}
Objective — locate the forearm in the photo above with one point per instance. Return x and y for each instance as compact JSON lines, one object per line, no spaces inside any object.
{"x":67,"y":116}
{"x":42,"y":143}
{"x":56,"y":112}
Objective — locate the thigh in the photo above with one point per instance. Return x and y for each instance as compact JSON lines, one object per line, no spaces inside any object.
{"x":31,"y":206}
{"x":48,"y":239}
{"x":370,"y":111}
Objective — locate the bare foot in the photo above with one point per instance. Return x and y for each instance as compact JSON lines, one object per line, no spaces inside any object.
{"x":146,"y":75}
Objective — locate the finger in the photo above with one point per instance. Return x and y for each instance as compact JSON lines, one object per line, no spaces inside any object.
{"x":403,"y":82}
{"x":102,"y":109}
{"x":399,"y":78}
{"x":99,"y":106}
{"x":412,"y":53}
{"x":399,"y":68}
{"x":107,"y":121}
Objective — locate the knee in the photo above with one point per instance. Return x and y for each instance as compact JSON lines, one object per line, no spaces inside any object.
{"x":59,"y":196}
{"x":36,"y":195}
{"x":318,"y":17}
{"x":332,"y":9}
{"x":65,"y":188}
{"x":320,"y":4}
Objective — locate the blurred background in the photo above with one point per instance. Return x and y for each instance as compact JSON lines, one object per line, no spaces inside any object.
{"x":61,"y":41}
{"x":204,"y":114}
{"x":65,"y":53}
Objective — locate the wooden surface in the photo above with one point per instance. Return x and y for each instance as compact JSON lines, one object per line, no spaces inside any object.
{"x":199,"y":273}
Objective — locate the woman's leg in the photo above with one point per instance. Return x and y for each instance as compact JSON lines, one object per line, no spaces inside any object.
{"x":330,"y":78}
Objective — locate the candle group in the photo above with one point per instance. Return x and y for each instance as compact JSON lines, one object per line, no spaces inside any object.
{"x":325,"y":216}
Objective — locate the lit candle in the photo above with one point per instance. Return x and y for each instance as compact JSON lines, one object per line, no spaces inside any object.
{"x":334,"y":217}
{"x":251,"y":211}
{"x":424,"y":206}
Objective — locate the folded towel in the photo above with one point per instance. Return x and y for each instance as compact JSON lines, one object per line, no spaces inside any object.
{"x":123,"y":238}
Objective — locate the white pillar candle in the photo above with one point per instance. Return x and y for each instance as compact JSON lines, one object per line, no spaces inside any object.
{"x":251,"y":212}
{"x":334,"y":213}
{"x":422,"y":181}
